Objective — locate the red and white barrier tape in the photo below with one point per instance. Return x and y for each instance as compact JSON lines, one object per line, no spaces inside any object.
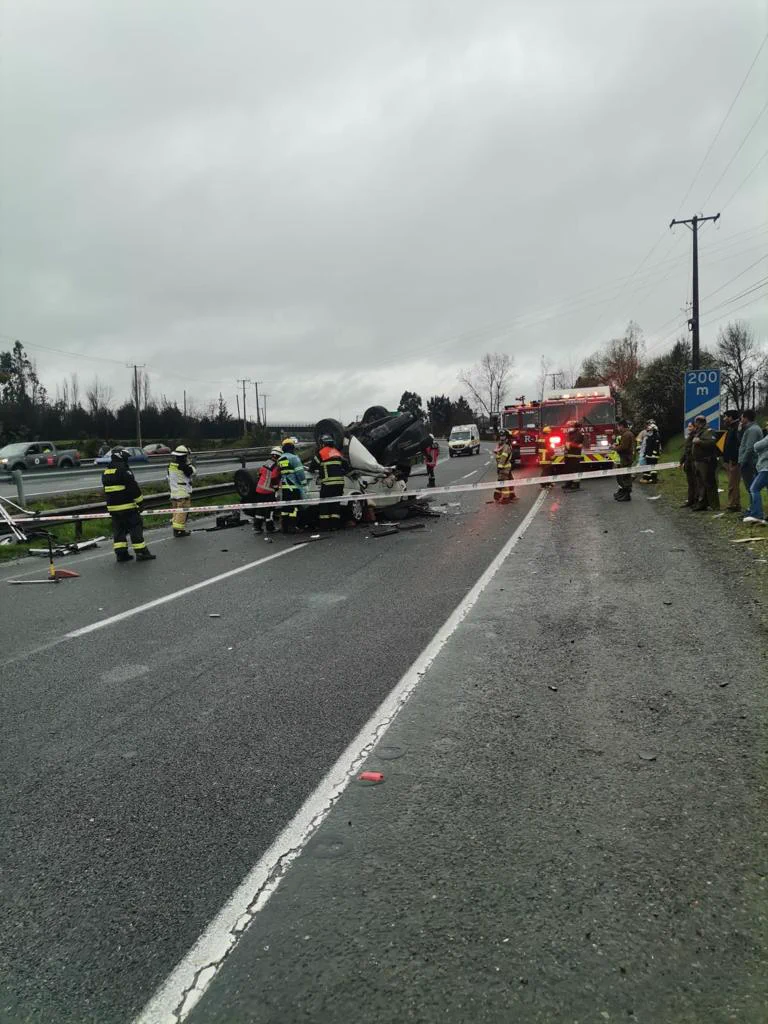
{"x":427,"y":492}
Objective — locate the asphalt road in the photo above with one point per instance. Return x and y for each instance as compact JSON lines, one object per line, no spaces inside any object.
{"x":572,"y":822}
{"x":48,"y":485}
{"x":147,"y":764}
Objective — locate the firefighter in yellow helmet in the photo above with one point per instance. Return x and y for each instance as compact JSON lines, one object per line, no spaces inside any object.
{"x":545,"y":453}
{"x":504,"y":463}
{"x":180,"y":475}
{"x":293,"y":478}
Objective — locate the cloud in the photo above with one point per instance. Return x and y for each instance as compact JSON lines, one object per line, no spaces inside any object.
{"x":348,"y":200}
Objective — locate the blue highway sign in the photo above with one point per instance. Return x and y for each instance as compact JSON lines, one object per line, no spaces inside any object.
{"x":702,"y":396}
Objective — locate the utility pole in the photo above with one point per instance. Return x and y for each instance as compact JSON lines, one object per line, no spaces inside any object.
{"x":185,"y":403}
{"x":264,"y":411}
{"x":258,"y":407}
{"x":244,"y":381}
{"x":137,"y":402}
{"x":693,"y":324}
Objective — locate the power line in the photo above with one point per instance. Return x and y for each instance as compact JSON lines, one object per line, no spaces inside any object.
{"x":743,"y":272}
{"x":744,"y":181}
{"x":738,"y":150}
{"x":711,"y":146}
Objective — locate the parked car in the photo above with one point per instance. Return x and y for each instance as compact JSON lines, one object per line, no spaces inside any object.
{"x":37,"y":455}
{"x":156,"y":449}
{"x":136,"y":455}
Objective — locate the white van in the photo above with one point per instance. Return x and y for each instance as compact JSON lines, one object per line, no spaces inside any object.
{"x":464,"y":440}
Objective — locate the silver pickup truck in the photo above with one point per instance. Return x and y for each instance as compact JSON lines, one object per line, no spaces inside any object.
{"x":34,"y":455}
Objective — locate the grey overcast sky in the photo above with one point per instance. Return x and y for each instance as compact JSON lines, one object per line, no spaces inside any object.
{"x":350,"y":198}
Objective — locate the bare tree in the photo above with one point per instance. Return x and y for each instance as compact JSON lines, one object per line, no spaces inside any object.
{"x":144,"y":388}
{"x":75,"y":389}
{"x":544,"y":372}
{"x":743,"y":361}
{"x":487,"y":383}
{"x":99,"y":397}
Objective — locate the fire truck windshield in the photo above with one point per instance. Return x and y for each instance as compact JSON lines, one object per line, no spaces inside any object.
{"x":555,"y":414}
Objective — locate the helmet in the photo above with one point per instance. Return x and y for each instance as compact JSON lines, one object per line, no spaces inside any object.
{"x":181,"y":452}
{"x":120,"y":455}
{"x":276,"y":452}
{"x":326,"y":439}
{"x":547,"y":430}
{"x":289,"y":442}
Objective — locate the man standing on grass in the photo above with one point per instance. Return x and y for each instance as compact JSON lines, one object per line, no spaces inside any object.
{"x":705,"y":462}
{"x":755,"y":513}
{"x":751,"y":433}
{"x":686,"y":463}
{"x":731,"y":458}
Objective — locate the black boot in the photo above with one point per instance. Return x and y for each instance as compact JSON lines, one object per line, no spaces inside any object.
{"x":258,"y":526}
{"x":623,"y":496}
{"x":181,"y":533}
{"x":123,"y":556}
{"x":270,"y":526}
{"x":144,"y":555}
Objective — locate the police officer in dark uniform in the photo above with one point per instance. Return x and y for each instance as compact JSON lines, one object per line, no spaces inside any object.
{"x":123,"y":497}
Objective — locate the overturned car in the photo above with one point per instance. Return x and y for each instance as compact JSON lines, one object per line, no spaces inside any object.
{"x":381,"y":449}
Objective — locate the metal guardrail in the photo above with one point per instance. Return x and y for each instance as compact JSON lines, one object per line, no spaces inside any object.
{"x":150,"y":501}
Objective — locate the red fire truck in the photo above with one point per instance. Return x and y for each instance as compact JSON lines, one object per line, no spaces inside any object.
{"x":522,"y":422}
{"x":594,"y":409}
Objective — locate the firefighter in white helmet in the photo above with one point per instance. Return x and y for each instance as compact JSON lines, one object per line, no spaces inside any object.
{"x":180,"y":475}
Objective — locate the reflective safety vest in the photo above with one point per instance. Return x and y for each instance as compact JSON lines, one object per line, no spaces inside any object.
{"x":180,"y":480}
{"x":268,"y":479}
{"x":291,"y":470}
{"x":330,"y":466}
{"x":121,"y":491}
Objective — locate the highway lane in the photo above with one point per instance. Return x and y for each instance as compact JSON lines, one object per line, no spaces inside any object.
{"x":42,"y":485}
{"x":145,"y":766}
{"x":572,"y":822}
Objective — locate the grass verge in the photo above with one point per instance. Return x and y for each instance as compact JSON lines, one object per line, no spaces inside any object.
{"x":749,"y":560}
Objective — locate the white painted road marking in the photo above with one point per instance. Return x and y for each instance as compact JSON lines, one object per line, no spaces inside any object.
{"x":130,"y":612}
{"x":184,"y":987}
{"x":468,"y":475}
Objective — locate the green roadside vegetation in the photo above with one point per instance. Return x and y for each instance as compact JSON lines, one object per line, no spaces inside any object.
{"x":64,"y":533}
{"x":750,"y":560}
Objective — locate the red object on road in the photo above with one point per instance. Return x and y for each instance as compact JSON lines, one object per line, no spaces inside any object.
{"x":371,"y":776}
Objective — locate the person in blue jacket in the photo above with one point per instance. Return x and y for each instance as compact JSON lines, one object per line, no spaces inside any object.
{"x":293,"y":479}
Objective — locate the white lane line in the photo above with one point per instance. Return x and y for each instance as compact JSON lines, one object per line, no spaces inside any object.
{"x":130,"y":612}
{"x":468,"y":475}
{"x":183,"y":988}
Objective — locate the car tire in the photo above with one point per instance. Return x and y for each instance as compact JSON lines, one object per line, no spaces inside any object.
{"x":374,"y":412}
{"x":67,"y":464}
{"x":333,"y":428}
{"x":20,"y":466}
{"x":357,"y":510}
{"x":245,"y":484}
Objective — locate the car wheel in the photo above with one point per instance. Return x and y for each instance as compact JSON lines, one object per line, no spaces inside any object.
{"x":20,"y":466}
{"x":333,"y":428}
{"x":357,"y":510}
{"x":245,"y":483}
{"x":67,"y":464}
{"x":374,"y":412}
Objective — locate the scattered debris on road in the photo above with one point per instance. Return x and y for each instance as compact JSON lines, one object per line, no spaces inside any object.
{"x":372,"y":777}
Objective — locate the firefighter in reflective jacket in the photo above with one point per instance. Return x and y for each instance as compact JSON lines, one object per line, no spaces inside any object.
{"x":504,"y":463}
{"x":545,"y":453}
{"x":267,"y":484}
{"x":123,"y":497}
{"x":180,"y":475}
{"x":574,"y":446}
{"x":292,"y":481}
{"x":330,"y":466}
